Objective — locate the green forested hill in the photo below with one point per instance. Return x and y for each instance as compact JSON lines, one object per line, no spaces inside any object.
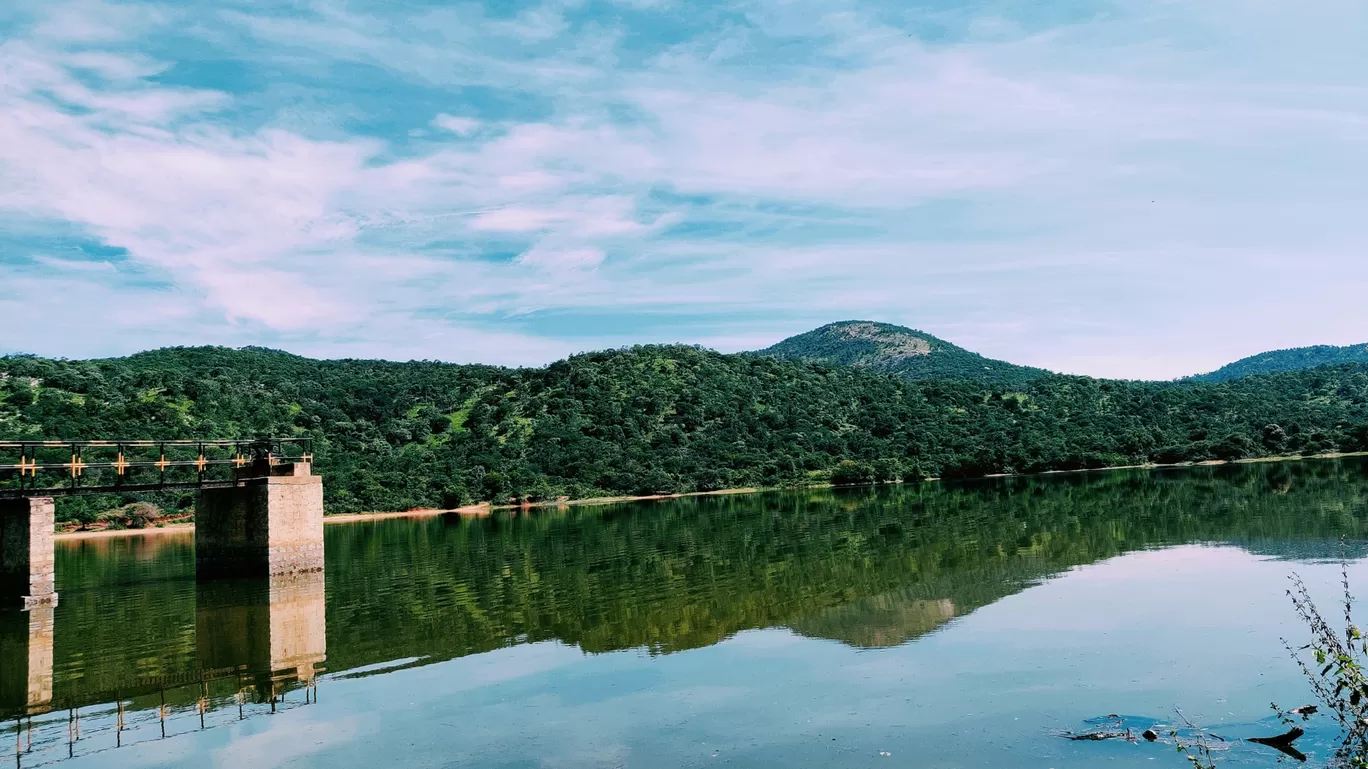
{"x":904,"y":352}
{"x":648,"y":419}
{"x":1295,"y":359}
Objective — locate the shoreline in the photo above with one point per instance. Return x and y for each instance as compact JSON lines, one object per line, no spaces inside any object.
{"x":485,"y":508}
{"x":170,"y":528}
{"x":474,"y":511}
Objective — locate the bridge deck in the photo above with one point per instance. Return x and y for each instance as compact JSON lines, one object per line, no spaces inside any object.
{"x":66,"y":468}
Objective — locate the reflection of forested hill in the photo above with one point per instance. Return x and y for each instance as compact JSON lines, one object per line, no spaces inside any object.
{"x":889,"y":619}
{"x":865,"y":568}
{"x":686,"y":573}
{"x":1324,"y":551}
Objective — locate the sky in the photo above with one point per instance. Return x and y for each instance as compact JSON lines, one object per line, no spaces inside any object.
{"x":1129,"y":188}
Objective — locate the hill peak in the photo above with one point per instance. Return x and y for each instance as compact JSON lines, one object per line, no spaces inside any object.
{"x":892,"y":349}
{"x":891,"y":340}
{"x":1293,"y":359}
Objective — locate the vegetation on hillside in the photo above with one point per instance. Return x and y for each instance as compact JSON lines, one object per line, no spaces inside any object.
{"x":903,"y":352}
{"x":394,"y":436}
{"x":1295,"y":359}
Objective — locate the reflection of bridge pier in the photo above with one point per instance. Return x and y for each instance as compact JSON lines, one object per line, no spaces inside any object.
{"x":273,"y":628}
{"x":26,"y":660}
{"x":27,"y":552}
{"x":258,"y":642}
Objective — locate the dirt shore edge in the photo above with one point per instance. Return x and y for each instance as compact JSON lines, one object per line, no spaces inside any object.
{"x":485,"y":509}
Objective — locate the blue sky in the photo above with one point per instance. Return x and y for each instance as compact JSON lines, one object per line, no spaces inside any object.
{"x":1130,"y":188}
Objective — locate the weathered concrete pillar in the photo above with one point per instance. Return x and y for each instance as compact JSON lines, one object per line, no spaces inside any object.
{"x":27,"y":552}
{"x":26,"y":661}
{"x":270,"y":626}
{"x":262,"y":527}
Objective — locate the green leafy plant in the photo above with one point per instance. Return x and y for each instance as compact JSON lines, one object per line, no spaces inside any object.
{"x":1334,"y":664}
{"x":1195,"y":748}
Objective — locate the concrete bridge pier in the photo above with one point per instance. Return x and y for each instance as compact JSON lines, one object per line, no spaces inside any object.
{"x":27,"y":552}
{"x":270,"y":524}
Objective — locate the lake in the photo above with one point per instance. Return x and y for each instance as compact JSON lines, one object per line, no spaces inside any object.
{"x":934,"y":625}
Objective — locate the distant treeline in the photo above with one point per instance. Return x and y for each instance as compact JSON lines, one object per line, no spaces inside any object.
{"x":393,"y":436}
{"x":1295,"y":359}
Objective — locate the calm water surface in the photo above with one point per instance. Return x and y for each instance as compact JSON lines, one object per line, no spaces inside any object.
{"x":927,"y":626}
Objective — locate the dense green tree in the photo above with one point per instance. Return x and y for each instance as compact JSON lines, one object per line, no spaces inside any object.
{"x":849,"y":473}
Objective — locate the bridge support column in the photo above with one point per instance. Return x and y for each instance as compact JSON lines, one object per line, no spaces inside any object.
{"x":266,"y":526}
{"x":27,"y":552}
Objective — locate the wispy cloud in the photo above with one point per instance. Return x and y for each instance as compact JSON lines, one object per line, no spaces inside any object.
{"x":1060,"y":186}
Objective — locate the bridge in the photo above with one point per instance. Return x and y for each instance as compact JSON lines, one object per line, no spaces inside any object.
{"x":258,"y":506}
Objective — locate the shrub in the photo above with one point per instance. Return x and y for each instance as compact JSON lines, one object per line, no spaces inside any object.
{"x":136,"y":515}
{"x":851,"y":473}
{"x":140,"y":515}
{"x":888,"y":471}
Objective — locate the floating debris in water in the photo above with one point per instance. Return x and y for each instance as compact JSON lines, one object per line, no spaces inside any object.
{"x":1283,"y":742}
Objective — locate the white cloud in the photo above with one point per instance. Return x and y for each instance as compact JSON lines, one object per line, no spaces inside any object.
{"x":554,"y":258}
{"x":461,"y":126}
{"x":513,"y":219}
{"x":1046,"y":194}
{"x":95,"y":21}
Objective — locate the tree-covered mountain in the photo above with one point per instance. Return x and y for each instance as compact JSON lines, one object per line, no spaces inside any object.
{"x":392,"y":436}
{"x":904,"y":352}
{"x":1295,"y":359}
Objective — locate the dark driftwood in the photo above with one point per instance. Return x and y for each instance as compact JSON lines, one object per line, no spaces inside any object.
{"x":1283,"y":742}
{"x":1095,"y":736}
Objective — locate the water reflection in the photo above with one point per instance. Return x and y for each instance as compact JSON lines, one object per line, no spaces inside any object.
{"x":271,"y":627}
{"x":135,"y":638}
{"x":26,"y":660}
{"x":889,"y":619}
{"x":257,"y":643}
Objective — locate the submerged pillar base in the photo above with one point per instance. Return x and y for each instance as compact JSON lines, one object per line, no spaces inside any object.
{"x":27,"y":552}
{"x":263,"y":527}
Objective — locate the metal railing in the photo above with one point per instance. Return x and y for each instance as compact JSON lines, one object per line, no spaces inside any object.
{"x":56,"y":468}
{"x":152,"y":710}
